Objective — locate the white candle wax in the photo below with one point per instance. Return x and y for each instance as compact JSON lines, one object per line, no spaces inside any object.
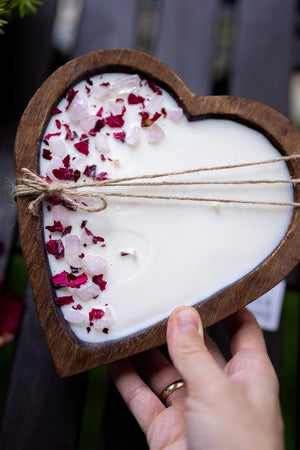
{"x":154,"y":254}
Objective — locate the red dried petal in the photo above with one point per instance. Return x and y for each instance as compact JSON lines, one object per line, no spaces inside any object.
{"x":83,"y":223}
{"x":58,"y":124}
{"x":77,"y":174}
{"x":54,"y":199}
{"x":70,"y":96}
{"x":56,"y":110}
{"x":60,"y":279}
{"x":64,"y":300}
{"x":135,"y":99}
{"x":49,"y":135}
{"x":56,"y":248}
{"x":97,"y":239}
{"x":66,"y":161}
{"x":100,"y":112}
{"x":156,"y":116}
{"x":70,"y":135}
{"x":98,"y":125}
{"x":121,"y":136}
{"x":64,"y":173}
{"x":90,"y":171}
{"x":74,"y":281}
{"x":101,"y":176}
{"x":82,"y":146}
{"x":98,"y":279}
{"x":47,"y":154}
{"x":152,"y":85}
{"x":66,"y":230}
{"x":57,"y":226}
{"x":78,"y":307}
{"x":96,"y":314}
{"x":114,"y":121}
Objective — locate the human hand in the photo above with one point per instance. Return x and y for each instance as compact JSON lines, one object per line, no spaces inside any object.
{"x":232,"y":405}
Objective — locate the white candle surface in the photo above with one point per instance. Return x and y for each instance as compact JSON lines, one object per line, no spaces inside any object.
{"x":143,"y":257}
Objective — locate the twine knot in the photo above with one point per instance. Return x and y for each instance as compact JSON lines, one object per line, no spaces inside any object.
{"x":36,"y":187}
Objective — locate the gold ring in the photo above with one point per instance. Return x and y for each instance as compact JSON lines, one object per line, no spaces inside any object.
{"x":171,"y":388}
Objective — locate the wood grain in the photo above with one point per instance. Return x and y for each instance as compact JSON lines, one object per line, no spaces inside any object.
{"x":70,"y":355}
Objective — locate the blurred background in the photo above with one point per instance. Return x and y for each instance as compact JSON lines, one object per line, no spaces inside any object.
{"x":246,"y":48}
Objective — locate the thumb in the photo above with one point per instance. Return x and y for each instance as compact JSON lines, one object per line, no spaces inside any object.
{"x":189,"y":354}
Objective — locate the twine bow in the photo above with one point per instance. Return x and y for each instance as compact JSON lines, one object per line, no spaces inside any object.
{"x":32,"y":185}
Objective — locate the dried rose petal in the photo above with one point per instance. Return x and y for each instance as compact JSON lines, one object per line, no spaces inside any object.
{"x":64,"y":300}
{"x":105,"y":321}
{"x":90,"y":171}
{"x":121,"y":136}
{"x":82,"y":146}
{"x":152,"y":85}
{"x":55,"y":247}
{"x":76,"y":282}
{"x":96,"y":314}
{"x":98,"y":279}
{"x":114,"y":121}
{"x":70,"y":97}
{"x":135,"y":99}
{"x":64,"y":173}
{"x":47,"y":154}
{"x":66,"y":230}
{"x":56,"y":227}
{"x":60,"y":279}
{"x":70,"y":135}
{"x":50,"y":135}
{"x":55,"y":110}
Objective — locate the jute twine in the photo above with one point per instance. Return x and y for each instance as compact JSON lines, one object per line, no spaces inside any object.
{"x":36,"y":187}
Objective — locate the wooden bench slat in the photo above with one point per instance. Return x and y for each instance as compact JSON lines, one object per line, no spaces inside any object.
{"x":106,"y":25}
{"x":42,"y":410}
{"x":7,"y":204}
{"x":262,"y":59}
{"x":186,"y":40}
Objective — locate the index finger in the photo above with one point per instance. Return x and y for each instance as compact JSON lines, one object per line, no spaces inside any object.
{"x":245,"y":333}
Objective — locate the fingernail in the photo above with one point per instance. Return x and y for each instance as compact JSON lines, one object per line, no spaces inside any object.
{"x":188,"y":321}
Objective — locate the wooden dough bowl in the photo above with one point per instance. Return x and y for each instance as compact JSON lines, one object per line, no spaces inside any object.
{"x":70,"y":355}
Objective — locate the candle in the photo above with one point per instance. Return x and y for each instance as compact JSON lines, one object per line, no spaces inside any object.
{"x":127,"y":267}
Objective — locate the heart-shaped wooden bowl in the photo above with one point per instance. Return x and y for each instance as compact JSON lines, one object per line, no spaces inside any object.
{"x":69,"y":354}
